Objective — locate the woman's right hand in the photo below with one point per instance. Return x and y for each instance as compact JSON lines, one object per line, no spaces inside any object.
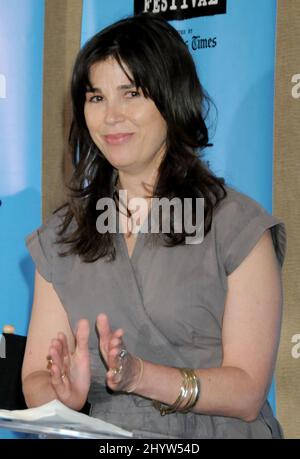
{"x":70,"y":372}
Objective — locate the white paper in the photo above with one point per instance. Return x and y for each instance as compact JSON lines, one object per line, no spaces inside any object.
{"x":56,"y":414}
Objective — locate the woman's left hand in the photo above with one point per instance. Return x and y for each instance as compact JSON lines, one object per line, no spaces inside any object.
{"x":123,"y":370}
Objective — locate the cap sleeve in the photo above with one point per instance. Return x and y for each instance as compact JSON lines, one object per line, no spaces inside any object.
{"x":240,"y":222}
{"x":43,"y":250}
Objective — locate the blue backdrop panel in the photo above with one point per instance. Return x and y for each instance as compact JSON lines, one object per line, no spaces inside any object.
{"x":235,"y":59}
{"x":238,"y":73}
{"x":21,"y":55}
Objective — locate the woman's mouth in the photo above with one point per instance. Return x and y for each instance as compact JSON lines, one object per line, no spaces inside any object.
{"x":117,"y":139}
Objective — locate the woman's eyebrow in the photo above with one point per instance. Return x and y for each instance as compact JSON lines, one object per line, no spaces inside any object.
{"x":121,"y":87}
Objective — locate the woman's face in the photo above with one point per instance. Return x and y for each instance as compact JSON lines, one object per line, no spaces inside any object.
{"x":125,"y":126}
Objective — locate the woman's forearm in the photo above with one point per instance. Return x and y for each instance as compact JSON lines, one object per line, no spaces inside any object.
{"x":37,"y":389}
{"x":225,"y":391}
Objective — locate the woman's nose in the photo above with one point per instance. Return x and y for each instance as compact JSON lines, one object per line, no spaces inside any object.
{"x":114,"y":112}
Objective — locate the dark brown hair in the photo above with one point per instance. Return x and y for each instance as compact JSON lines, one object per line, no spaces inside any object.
{"x":162,"y":66}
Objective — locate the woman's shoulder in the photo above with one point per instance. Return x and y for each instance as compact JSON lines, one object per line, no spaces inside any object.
{"x":238,"y":223}
{"x":52,"y":225}
{"x":45,"y":249}
{"x":237,"y":203}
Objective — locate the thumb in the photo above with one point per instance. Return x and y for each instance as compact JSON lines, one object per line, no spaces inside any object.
{"x":103,"y":326}
{"x":82,"y":335}
{"x":104,"y":329}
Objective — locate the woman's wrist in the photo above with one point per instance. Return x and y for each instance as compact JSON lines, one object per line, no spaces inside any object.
{"x":188,"y":394}
{"x":170,"y":388}
{"x":139,"y":366}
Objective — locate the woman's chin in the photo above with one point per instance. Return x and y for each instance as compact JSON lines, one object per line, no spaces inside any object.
{"x":122,"y":163}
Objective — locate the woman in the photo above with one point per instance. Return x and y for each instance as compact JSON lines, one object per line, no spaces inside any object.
{"x":186,"y":334}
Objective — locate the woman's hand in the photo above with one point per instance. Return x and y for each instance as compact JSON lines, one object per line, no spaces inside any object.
{"x":123,"y":372}
{"x":70,"y":372}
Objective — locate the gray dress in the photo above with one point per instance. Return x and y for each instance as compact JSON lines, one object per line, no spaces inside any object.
{"x":170,"y":303}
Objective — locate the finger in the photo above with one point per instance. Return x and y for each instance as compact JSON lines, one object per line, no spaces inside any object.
{"x":57,"y":358}
{"x":57,"y":344}
{"x":114,"y":353}
{"x":58,"y":378}
{"x":56,"y":347}
{"x":64,"y":342}
{"x":115,"y":342}
{"x":103,"y":326}
{"x":113,"y":378}
{"x":105,"y":332}
{"x":82,"y":336}
{"x":113,"y":360}
{"x":54,"y":352}
{"x":65,"y":352}
{"x":118,"y":333}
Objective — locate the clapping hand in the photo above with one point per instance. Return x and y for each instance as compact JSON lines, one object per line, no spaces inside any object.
{"x":70,"y":372}
{"x":123,"y":368}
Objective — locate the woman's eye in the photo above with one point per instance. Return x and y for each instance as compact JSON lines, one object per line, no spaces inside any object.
{"x":133,"y":93}
{"x":95,"y":99}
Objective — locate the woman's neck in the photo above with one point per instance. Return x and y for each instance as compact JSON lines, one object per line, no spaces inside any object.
{"x":136,"y":186}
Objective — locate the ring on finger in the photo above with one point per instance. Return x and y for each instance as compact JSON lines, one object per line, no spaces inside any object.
{"x":123,"y":352}
{"x":50,"y":363}
{"x":117,"y":371}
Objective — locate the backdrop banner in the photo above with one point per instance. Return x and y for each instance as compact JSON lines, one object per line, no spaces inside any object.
{"x":287,"y":207}
{"x":233,"y":45}
{"x":21,"y":54}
